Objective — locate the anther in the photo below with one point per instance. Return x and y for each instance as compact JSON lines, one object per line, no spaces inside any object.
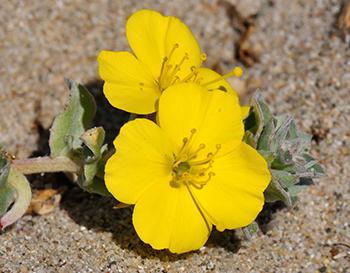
{"x":218,"y":147}
{"x":172,"y":50}
{"x":176,"y":78}
{"x":194,"y":154}
{"x":194,"y":71}
{"x":236,"y":72}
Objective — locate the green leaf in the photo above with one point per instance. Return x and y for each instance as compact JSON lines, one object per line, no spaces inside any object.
{"x":4,"y":170}
{"x":249,"y":139}
{"x":7,"y":196}
{"x":69,"y":126}
{"x":23,"y":195}
{"x":275,"y":192}
{"x":93,"y":139}
{"x":264,"y":141}
{"x":269,"y":156}
{"x":313,"y":165}
{"x":95,"y":155}
{"x":285,"y":148}
{"x":284,"y":178}
{"x":251,"y":230}
{"x":98,"y":186}
{"x":262,"y":114}
{"x":294,"y":191}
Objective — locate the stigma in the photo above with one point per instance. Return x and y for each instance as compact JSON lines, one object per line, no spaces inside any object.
{"x":191,"y":167}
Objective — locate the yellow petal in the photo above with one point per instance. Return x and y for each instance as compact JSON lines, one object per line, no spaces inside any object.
{"x":128,"y":85}
{"x":245,"y":111}
{"x":167,"y":217}
{"x":234,"y":196}
{"x":208,"y":75}
{"x":143,"y":157}
{"x":152,"y":36}
{"x":215,"y":115}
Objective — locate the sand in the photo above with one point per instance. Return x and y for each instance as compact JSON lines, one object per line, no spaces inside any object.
{"x":303,"y":70}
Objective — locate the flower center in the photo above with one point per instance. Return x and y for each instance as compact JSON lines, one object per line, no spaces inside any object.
{"x":188,"y":169}
{"x":169,"y":72}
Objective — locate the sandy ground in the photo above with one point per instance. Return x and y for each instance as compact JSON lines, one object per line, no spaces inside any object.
{"x":303,"y":69}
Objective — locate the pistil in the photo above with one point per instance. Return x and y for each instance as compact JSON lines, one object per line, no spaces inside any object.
{"x":236,"y":72}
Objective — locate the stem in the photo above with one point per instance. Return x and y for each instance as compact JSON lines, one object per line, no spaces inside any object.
{"x":45,"y":164}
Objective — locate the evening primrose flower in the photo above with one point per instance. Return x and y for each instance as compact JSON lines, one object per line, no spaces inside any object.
{"x":190,"y":172}
{"x":166,"y":54}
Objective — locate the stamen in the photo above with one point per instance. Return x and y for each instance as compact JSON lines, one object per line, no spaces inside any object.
{"x":203,"y":58}
{"x":186,"y":171}
{"x":185,"y":142}
{"x":163,"y":80}
{"x":165,"y":60}
{"x":172,"y":50}
{"x":218,"y":147}
{"x":210,"y":164}
{"x":199,"y":80}
{"x":194,"y":70}
{"x":236,"y":72}
{"x":208,"y":159}
{"x":176,"y":78}
{"x":199,"y":184}
{"x":194,"y":155}
{"x":178,"y":66}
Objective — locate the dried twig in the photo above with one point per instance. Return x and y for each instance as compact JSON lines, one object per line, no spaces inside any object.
{"x":343,"y":22}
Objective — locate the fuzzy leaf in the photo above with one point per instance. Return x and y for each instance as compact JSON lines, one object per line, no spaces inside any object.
{"x":262,"y":114}
{"x":275,"y":192}
{"x":269,"y":156}
{"x":93,"y":139}
{"x":285,"y":149}
{"x":7,"y":196}
{"x":23,"y":194}
{"x":251,"y":231}
{"x":98,"y":186}
{"x":285,"y":179}
{"x":294,"y":191}
{"x":7,"y":193}
{"x":312,"y":164}
{"x":249,"y":139}
{"x":94,"y":156}
{"x":72,"y":123}
{"x":265,"y":139}
{"x":4,"y":170}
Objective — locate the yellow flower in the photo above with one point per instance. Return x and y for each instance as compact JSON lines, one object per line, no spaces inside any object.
{"x":190,"y":172}
{"x":166,"y":53}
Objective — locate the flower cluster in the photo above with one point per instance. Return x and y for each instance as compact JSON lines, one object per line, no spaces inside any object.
{"x":189,"y":169}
